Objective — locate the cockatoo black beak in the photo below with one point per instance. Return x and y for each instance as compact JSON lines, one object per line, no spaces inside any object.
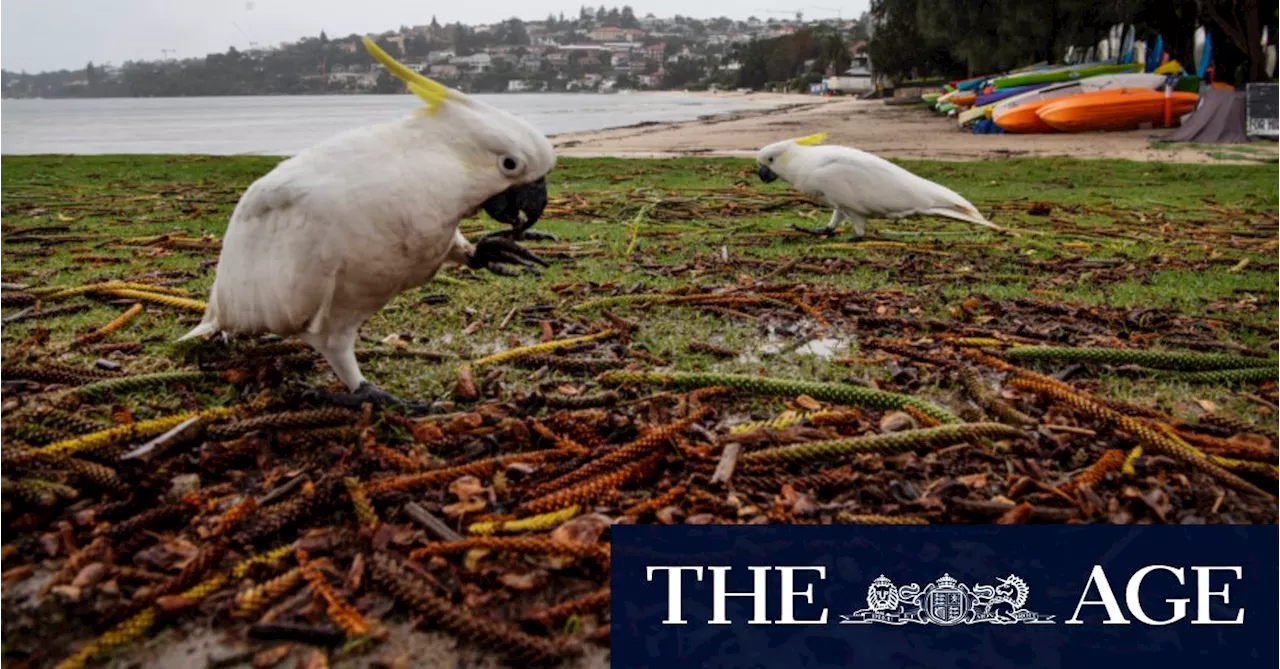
{"x":767,"y":175}
{"x":519,"y":206}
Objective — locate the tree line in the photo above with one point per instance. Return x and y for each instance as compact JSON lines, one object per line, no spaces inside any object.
{"x":961,"y":38}
{"x":298,"y":68}
{"x":793,"y":61}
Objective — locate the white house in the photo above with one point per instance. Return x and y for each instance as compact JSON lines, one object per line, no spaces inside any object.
{"x":529,"y":63}
{"x":519,"y":85}
{"x":477,"y":62}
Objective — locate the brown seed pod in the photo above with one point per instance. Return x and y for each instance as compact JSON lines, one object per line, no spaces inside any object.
{"x":520,"y":648}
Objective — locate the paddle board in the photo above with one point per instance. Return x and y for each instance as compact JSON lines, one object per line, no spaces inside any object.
{"x":1153,"y":60}
{"x":1197,"y":51}
{"x":1205,"y":56}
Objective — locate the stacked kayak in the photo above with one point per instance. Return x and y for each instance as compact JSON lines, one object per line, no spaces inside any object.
{"x":1063,"y":74}
{"x":1025,"y":118}
{"x":1119,"y":109}
{"x":998,"y":95}
{"x":1122,"y":85}
{"x":1027,"y":104}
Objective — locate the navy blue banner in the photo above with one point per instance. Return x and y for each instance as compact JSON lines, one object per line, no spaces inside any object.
{"x":936,"y":597}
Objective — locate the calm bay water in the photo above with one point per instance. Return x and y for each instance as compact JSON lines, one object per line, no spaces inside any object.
{"x":284,"y":125}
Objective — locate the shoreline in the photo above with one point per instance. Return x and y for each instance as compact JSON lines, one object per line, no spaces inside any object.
{"x":909,"y":132}
{"x":887,"y":131}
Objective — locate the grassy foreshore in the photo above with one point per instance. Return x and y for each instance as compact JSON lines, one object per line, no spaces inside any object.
{"x":1110,"y":254}
{"x":1195,"y":241}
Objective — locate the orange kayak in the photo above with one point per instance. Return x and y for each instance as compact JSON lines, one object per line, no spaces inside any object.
{"x":1023,"y":118}
{"x":963,"y":99}
{"x":1117,"y":109}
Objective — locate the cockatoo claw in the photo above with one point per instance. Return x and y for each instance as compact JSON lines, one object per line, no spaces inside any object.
{"x":492,"y":252}
{"x":531,"y":235}
{"x":367,"y":392}
{"x":817,"y":232}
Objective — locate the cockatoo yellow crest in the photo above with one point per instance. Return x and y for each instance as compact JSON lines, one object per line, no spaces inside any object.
{"x":812,"y":140}
{"x":431,"y":92}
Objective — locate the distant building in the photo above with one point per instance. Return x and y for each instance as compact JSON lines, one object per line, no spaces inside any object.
{"x":650,"y":80}
{"x":520,"y":85}
{"x":612,"y":34}
{"x":478,"y":62}
{"x":529,"y":63}
{"x":444,"y":71}
{"x":654,"y":51}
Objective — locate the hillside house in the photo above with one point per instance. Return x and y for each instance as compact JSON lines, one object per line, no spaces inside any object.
{"x":475,"y":63}
{"x":529,"y":63}
{"x":444,"y":71}
{"x":612,"y":34}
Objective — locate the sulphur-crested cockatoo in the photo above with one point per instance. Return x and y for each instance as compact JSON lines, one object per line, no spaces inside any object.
{"x":320,"y":243}
{"x":859,"y":185}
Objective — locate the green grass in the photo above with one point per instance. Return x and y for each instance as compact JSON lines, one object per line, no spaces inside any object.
{"x":1173,"y":230}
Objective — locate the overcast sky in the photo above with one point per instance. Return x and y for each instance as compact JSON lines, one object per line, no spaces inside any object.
{"x":55,"y":34}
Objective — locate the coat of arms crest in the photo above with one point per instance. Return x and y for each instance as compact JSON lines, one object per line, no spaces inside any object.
{"x":947,"y":602}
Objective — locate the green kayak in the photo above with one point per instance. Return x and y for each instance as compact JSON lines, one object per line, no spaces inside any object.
{"x":1065,"y":74}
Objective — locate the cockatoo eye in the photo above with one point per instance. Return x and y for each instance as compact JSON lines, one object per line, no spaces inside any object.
{"x":509,"y":165}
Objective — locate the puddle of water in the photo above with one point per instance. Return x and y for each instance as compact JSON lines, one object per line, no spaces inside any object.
{"x":824,"y":348}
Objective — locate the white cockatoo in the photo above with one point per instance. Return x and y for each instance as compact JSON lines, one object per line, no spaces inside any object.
{"x":859,"y":185}
{"x":323,"y":241}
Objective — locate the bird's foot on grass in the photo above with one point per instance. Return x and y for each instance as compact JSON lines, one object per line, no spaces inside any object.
{"x":492,"y":253}
{"x":529,"y":235}
{"x":367,"y":392}
{"x":816,"y":232}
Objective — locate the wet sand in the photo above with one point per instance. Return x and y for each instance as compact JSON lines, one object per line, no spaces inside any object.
{"x":889,"y":131}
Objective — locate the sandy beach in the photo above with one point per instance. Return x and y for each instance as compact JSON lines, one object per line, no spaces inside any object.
{"x":889,"y":131}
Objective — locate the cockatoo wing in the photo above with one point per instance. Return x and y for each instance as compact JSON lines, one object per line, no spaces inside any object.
{"x":868,"y":186}
{"x":278,"y":266}
{"x":328,"y":237}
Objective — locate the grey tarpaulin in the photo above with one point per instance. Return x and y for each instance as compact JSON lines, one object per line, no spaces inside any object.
{"x":1219,"y":118}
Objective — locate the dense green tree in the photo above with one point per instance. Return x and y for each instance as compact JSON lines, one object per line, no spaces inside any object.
{"x":510,"y":32}
{"x":959,"y":37}
{"x":627,"y":19}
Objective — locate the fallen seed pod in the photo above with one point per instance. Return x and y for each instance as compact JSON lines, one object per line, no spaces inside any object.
{"x":893,"y":442}
{"x":1152,"y":439}
{"x":542,"y":348}
{"x":826,"y":392}
{"x":102,"y":332}
{"x":520,"y":648}
{"x":1173,"y":360}
{"x":1112,"y":460}
{"x":128,"y":384}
